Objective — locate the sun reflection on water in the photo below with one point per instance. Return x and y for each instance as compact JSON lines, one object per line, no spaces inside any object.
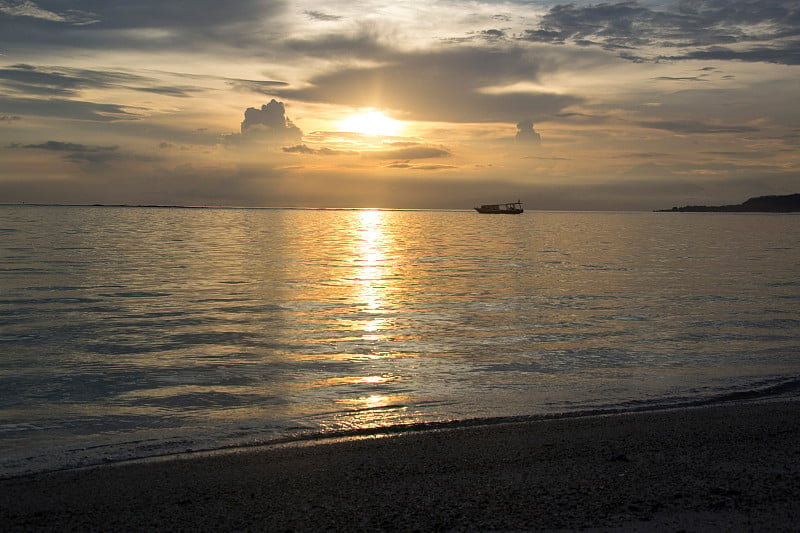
{"x":372,"y":265}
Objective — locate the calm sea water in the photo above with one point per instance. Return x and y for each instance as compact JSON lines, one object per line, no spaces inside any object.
{"x":128,"y":332}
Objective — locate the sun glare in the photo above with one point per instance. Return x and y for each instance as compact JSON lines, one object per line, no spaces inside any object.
{"x":371,"y":122}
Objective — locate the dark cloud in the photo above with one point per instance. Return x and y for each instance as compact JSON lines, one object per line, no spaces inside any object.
{"x":684,"y":78}
{"x":701,"y":25}
{"x":77,"y":152}
{"x":32,"y":80}
{"x":432,"y":167}
{"x":200,"y":24}
{"x":29,"y":80}
{"x":526,"y":134}
{"x":319,"y":15}
{"x":441,"y":85}
{"x":29,"y":9}
{"x":644,"y":155}
{"x":303,"y":149}
{"x":256,"y":86}
{"x":364,"y":42}
{"x":175,"y":92}
{"x":745,"y":154}
{"x":781,"y":53}
{"x":407,"y":154}
{"x":58,"y":146}
{"x":695,"y":127}
{"x":419,"y":167}
{"x":267,"y":124}
{"x":270,"y":119}
{"x":493,"y":35}
{"x":61,"y":108}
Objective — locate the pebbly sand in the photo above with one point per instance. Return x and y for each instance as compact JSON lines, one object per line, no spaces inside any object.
{"x":732,"y":467}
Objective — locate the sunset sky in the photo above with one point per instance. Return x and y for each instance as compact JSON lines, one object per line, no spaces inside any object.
{"x":408,"y":104}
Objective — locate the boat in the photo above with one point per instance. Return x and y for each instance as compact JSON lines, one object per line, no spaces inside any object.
{"x":511,"y":208}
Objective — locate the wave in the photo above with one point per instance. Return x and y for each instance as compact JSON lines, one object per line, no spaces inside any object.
{"x":155,"y":449}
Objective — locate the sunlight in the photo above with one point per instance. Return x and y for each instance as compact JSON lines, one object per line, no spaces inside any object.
{"x":371,"y":259}
{"x":371,"y":122}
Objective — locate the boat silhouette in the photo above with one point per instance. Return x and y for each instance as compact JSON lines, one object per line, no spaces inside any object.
{"x":511,"y":208}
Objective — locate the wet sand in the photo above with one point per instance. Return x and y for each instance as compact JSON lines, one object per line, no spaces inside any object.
{"x":732,"y":467}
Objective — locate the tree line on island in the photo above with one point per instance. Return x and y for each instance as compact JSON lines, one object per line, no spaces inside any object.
{"x":788,"y":203}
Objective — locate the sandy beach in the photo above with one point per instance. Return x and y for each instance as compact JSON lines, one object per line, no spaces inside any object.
{"x":733,"y":467}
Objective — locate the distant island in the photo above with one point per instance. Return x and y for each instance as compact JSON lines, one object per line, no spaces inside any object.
{"x":789,"y":203}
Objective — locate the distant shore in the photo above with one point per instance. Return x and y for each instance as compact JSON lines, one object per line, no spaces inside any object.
{"x":789,"y":203}
{"x":731,"y":467}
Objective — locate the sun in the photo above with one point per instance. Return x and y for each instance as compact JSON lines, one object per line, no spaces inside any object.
{"x":371,"y":122}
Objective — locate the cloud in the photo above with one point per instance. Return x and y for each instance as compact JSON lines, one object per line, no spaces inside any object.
{"x":58,"y":146}
{"x":319,"y":15}
{"x":173,"y":91}
{"x":781,"y":53}
{"x":445,"y":84}
{"x":27,"y":8}
{"x":420,"y":167}
{"x":31,"y":80}
{"x":526,"y":134}
{"x":144,"y":13}
{"x":366,"y":41}
{"x":406,"y":154}
{"x":256,"y":86}
{"x":680,"y":78}
{"x":270,"y":123}
{"x":71,"y":109}
{"x":695,"y":127}
{"x":303,"y":149}
{"x":701,"y":25}
{"x":76,"y":151}
{"x":201,"y":24}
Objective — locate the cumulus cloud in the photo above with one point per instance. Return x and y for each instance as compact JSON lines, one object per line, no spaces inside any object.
{"x":270,"y":123}
{"x":526,"y":134}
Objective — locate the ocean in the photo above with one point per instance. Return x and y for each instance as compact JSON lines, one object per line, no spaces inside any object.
{"x":130,"y":332}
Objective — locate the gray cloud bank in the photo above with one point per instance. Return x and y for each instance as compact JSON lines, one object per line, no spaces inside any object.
{"x":199,"y":24}
{"x":706,"y":29}
{"x":746,"y":30}
{"x":440,"y":85}
{"x":76,"y":151}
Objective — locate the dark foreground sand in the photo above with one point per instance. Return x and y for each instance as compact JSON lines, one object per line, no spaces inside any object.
{"x":722,"y":468}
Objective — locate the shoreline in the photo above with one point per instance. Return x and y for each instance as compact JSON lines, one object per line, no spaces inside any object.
{"x":731,"y":466}
{"x":782,"y":389}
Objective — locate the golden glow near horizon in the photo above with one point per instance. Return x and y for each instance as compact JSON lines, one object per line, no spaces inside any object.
{"x":371,"y":122}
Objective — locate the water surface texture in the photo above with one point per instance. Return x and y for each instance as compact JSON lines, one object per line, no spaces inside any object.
{"x":128,"y":332}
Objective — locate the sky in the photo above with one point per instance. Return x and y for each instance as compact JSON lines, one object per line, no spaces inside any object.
{"x":580,"y":105}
